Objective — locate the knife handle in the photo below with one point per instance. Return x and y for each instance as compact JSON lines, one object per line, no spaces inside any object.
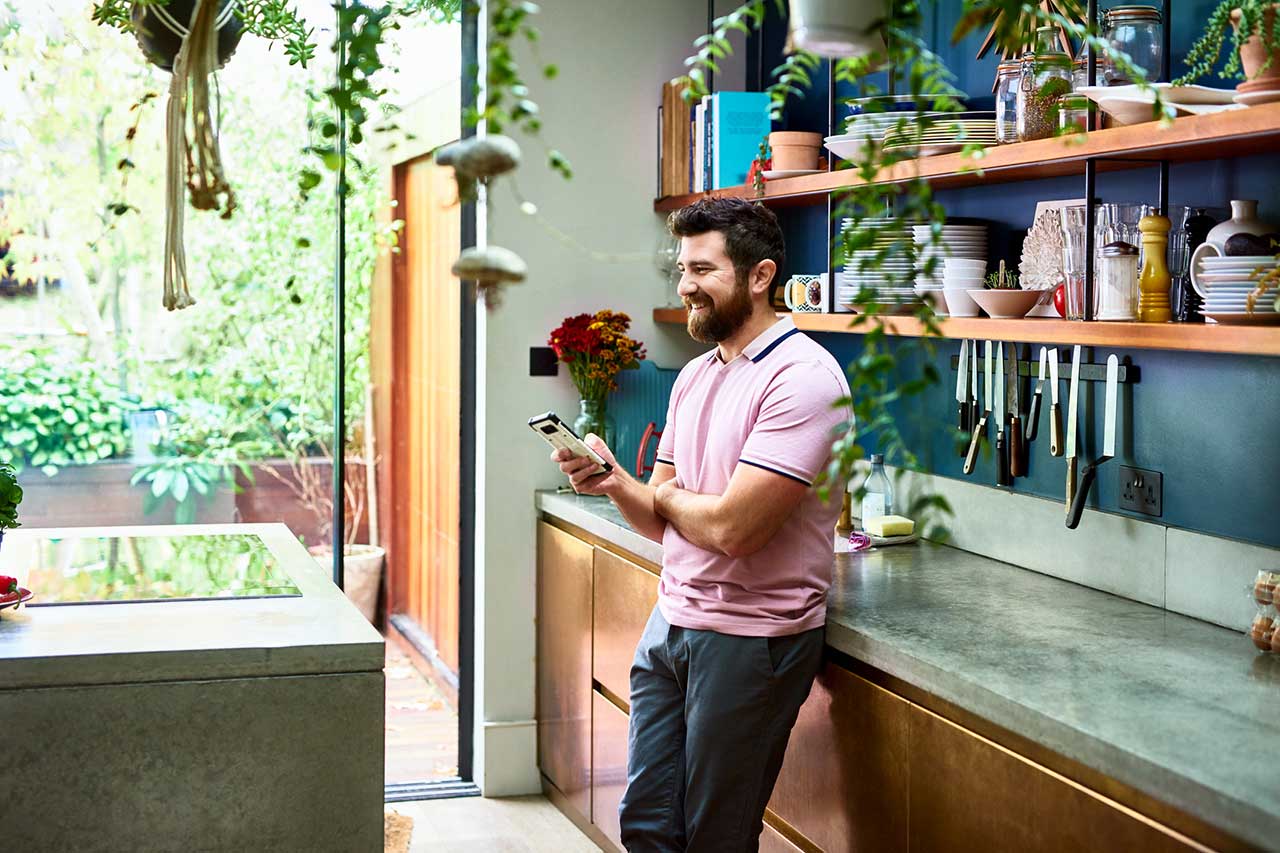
{"x":965,"y":425}
{"x":1033,"y":417}
{"x":1081,"y":495}
{"x":1071,"y":482}
{"x":1002,"y":461}
{"x":972,"y":455}
{"x":1017,"y":449}
{"x":1055,"y":430}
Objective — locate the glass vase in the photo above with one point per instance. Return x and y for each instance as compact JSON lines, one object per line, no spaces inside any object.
{"x":593,"y":416}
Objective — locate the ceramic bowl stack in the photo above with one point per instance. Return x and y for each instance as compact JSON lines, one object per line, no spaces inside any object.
{"x":1226,"y":282}
{"x":945,"y":134}
{"x":962,"y":242}
{"x":960,"y":275}
{"x":891,"y":283}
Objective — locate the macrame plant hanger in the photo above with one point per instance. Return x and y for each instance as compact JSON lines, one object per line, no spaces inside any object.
{"x":192,"y":160}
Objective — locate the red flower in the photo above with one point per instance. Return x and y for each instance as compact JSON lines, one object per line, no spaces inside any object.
{"x":8,"y":584}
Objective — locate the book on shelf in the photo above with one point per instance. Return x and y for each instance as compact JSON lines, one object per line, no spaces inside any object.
{"x":673,"y":141}
{"x":739,"y":123}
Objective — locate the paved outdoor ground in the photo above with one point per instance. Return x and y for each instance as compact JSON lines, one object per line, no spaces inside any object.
{"x":422,"y":728}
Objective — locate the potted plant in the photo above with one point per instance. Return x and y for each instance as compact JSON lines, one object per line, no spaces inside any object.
{"x":596,"y":348}
{"x":1255,"y":45}
{"x":10,"y":497}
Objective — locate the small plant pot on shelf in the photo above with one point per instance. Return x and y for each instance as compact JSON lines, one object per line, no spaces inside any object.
{"x":1254,"y":55}
{"x":362,"y":574}
{"x":795,"y":150}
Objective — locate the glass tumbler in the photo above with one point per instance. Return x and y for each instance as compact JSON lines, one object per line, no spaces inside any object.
{"x":1074,"y":259}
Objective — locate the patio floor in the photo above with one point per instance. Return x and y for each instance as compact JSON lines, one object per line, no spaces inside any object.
{"x":421,"y":725}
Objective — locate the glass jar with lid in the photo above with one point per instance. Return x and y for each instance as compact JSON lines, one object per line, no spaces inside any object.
{"x":1007,"y":76}
{"x":1137,"y":31}
{"x":1073,"y":114}
{"x":1045,"y":77}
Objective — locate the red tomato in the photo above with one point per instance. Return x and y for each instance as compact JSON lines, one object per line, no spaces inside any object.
{"x":1060,"y":300}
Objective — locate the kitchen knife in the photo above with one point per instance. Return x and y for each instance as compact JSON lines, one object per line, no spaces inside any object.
{"x":1033,"y":416}
{"x":1073,"y":401}
{"x":1055,"y":414}
{"x":1017,"y":449}
{"x":975,"y":410}
{"x":1002,"y":450}
{"x":962,"y":389}
{"x":980,"y":429}
{"x":1108,"y":443}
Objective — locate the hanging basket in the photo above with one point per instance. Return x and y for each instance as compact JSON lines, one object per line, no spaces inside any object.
{"x":160,"y":29}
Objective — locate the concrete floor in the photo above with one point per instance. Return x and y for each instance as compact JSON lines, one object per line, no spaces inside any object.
{"x":481,"y":825}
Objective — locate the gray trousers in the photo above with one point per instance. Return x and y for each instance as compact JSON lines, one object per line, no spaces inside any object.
{"x":710,"y":717}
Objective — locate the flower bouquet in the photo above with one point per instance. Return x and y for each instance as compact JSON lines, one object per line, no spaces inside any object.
{"x":596,"y":348}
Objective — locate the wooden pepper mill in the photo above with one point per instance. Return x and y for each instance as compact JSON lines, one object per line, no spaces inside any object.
{"x":1155,"y":281}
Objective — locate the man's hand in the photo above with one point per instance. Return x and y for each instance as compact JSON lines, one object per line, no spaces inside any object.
{"x":586,"y":476}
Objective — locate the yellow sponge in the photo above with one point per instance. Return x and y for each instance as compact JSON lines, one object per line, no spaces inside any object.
{"x":888,"y":525}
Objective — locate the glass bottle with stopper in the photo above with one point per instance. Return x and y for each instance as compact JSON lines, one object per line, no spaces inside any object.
{"x":1154,"y":284}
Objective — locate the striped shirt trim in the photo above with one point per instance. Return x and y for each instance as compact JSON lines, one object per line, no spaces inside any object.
{"x":771,"y":347}
{"x":775,"y":471}
{"x":664,"y":461}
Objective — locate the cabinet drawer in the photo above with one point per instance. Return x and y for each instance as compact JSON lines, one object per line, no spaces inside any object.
{"x":843,"y":783}
{"x":608,"y":765}
{"x":564,"y":663}
{"x":968,"y":793}
{"x":772,"y":841}
{"x":625,"y":593}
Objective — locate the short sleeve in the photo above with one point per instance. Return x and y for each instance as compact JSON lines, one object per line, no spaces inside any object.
{"x":667,"y":444}
{"x":793,"y":433}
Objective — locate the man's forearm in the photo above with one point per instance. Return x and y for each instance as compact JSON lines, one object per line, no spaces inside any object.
{"x":635,"y":501}
{"x":696,"y":516}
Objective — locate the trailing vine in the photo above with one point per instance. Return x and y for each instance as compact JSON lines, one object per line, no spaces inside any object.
{"x":1204,"y":54}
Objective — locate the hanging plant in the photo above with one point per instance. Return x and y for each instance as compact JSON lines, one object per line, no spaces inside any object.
{"x":160,"y":29}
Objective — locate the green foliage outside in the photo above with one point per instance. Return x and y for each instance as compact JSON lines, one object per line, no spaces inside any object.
{"x":10,"y":497}
{"x":247,"y":372}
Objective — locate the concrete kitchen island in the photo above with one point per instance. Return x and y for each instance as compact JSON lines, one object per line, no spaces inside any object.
{"x":227,"y":723}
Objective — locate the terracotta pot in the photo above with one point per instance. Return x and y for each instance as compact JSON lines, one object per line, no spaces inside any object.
{"x":362,"y":574}
{"x":794,"y":150}
{"x":1253,"y":55}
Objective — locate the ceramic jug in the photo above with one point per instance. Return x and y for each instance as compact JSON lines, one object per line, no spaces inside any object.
{"x":1244,"y":220}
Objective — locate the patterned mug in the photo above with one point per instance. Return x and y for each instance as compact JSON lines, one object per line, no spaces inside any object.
{"x":806,"y":293}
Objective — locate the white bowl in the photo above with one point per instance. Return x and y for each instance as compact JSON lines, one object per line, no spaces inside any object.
{"x":1006,"y":304}
{"x":966,"y":264}
{"x":959,"y":303}
{"x":961,"y":282}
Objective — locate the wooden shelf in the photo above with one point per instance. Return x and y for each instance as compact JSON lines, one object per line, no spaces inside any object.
{"x":1255,"y":130}
{"x":1188,"y":337}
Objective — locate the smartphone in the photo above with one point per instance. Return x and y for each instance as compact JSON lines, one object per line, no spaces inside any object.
{"x":558,"y":435}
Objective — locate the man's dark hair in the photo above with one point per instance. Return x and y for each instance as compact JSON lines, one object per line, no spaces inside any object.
{"x":751,"y":231}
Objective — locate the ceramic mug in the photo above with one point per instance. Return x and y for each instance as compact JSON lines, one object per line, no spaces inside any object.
{"x":806,"y":292}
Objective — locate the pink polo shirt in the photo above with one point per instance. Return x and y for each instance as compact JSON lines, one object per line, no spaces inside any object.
{"x":770,"y":407}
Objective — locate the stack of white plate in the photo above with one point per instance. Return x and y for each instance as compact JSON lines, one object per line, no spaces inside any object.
{"x":956,"y":241}
{"x":946,"y":134}
{"x":1225,"y":284}
{"x":890,"y":283}
{"x":958,"y":276}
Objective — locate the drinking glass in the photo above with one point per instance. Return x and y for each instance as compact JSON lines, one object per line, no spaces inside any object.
{"x":1074,"y":235}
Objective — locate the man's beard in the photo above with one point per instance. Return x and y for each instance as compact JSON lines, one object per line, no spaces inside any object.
{"x":719,"y":322}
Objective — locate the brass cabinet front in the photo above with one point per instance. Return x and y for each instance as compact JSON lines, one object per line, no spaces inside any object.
{"x":772,"y":841}
{"x":843,"y":784}
{"x":564,"y":663}
{"x":624,"y":593}
{"x":608,"y":766}
{"x":968,"y":793}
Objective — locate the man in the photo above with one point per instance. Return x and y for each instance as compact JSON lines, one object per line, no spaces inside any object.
{"x":731,"y":650}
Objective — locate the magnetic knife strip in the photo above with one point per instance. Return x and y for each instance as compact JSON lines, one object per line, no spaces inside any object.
{"x":1089,"y":372}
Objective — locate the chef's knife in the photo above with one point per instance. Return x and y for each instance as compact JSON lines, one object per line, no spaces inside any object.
{"x":962,"y":389}
{"x":975,"y":408}
{"x":1002,"y":450}
{"x":1033,"y":416}
{"x":1108,"y":443}
{"x":1017,"y":450}
{"x":980,"y":429}
{"x":1073,"y":400}
{"x":1055,"y":414}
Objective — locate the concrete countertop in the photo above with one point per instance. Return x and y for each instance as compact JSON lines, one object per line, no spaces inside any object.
{"x":319,"y":632}
{"x":1177,"y":708}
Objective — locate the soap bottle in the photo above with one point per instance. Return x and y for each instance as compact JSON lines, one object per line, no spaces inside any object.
{"x":877,"y":498}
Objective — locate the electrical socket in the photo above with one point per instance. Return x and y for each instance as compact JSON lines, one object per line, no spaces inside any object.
{"x":1141,"y":491}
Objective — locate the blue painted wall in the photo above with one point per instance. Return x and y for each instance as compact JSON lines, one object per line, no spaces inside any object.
{"x":1207,"y":422}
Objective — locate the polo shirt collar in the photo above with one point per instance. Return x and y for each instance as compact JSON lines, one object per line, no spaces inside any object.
{"x":763,"y":343}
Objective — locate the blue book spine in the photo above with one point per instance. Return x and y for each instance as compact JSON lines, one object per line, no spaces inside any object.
{"x":741,"y":123}
{"x":693,"y":126}
{"x":707,"y":136}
